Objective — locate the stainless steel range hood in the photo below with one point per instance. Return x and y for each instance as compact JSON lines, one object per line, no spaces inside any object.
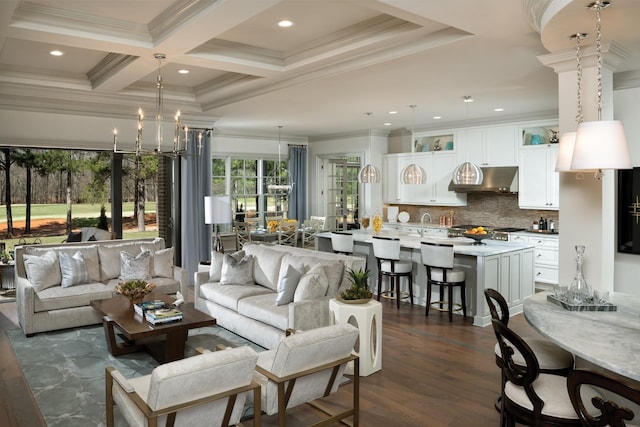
{"x":503,"y":179}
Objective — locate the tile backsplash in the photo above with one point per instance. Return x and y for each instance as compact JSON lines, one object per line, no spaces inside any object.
{"x":491,"y":209}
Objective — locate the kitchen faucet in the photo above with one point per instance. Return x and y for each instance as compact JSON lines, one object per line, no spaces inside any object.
{"x":422,"y":222}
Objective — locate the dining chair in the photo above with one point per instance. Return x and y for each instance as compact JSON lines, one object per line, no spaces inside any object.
{"x":438,"y":260}
{"x":530,"y":397}
{"x":612,"y":410}
{"x":386,"y":250}
{"x":309,"y":229}
{"x":552,"y":359}
{"x":243,"y":232}
{"x":288,"y":233}
{"x":321,"y":220}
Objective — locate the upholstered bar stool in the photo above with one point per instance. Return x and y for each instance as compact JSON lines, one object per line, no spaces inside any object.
{"x":342,"y":242}
{"x":386,"y":250}
{"x":438,"y":259}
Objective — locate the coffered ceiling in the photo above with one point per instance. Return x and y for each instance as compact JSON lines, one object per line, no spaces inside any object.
{"x":339,"y":59}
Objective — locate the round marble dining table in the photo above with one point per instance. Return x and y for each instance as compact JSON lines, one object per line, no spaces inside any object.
{"x":607,"y":339}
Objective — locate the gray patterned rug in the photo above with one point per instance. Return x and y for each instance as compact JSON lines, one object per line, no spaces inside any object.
{"x":65,"y":369}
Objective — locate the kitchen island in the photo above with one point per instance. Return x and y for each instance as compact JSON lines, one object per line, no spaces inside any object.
{"x":504,"y":266}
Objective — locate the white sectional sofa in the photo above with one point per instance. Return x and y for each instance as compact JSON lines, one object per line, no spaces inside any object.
{"x":44,"y":304}
{"x":250,"y":309}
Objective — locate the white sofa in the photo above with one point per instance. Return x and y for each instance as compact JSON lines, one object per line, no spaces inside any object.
{"x":52,"y":306}
{"x":250,"y":310}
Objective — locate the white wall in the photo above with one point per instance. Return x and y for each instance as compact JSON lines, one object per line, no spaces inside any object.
{"x":627,"y":109}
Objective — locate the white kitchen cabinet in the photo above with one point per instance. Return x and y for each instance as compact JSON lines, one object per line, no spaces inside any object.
{"x":489,"y":145}
{"x":539,"y":183}
{"x":438,"y":167}
{"x":545,"y":261}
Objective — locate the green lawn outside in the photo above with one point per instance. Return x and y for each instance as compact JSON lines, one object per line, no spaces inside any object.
{"x":80,"y":213}
{"x":59,"y":210}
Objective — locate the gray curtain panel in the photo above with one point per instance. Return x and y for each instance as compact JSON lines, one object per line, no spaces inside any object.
{"x":298,"y":170}
{"x":195,"y":184}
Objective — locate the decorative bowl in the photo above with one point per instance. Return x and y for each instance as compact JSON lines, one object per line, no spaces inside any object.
{"x":478,"y":237}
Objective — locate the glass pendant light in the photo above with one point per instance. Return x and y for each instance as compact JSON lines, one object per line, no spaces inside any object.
{"x":369,"y":174}
{"x":600,"y":144}
{"x":467,"y":173}
{"x":280,"y":181}
{"x":413,"y":173}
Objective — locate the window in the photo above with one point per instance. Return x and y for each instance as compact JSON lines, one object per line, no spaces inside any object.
{"x":248,"y":183}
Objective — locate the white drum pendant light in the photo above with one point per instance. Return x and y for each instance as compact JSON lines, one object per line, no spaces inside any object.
{"x":468,"y":173}
{"x":413,"y":173}
{"x":600,"y":144}
{"x":369,"y":174}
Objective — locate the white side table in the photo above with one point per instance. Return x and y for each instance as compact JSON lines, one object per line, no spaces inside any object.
{"x":368,"y":319}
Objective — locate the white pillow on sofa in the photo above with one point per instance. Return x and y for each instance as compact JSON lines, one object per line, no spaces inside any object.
{"x":287,"y":285}
{"x":43,"y":271}
{"x":161,"y":264}
{"x":73,"y":269}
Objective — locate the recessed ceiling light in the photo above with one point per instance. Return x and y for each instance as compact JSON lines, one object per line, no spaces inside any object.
{"x":183,"y":71}
{"x":467,"y":98}
{"x":498,"y":109}
{"x":285,"y":23}
{"x":393,"y":112}
{"x":387,"y":124}
{"x":437,"y":117}
{"x":56,"y":53}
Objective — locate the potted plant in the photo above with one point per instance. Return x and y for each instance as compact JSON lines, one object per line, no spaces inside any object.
{"x":134,"y":290}
{"x":358,"y":292}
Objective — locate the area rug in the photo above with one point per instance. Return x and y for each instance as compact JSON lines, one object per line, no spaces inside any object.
{"x":65,"y":369}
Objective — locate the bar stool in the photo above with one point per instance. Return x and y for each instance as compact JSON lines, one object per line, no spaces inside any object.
{"x":342,"y":242}
{"x":386,"y":250}
{"x":438,"y":259}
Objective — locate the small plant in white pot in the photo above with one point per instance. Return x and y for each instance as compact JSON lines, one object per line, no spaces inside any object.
{"x":358,"y":292}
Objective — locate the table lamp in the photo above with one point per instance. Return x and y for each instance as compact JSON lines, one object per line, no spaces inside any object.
{"x":217,"y":210}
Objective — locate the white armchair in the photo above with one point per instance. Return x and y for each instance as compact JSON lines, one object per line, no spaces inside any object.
{"x":307,"y":366}
{"x":207,"y":389}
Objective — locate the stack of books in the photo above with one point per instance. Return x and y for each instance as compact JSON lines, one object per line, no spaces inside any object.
{"x":163,"y":315}
{"x":141,"y":307}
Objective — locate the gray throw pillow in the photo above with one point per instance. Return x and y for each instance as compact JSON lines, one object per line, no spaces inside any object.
{"x":237,"y":271}
{"x":73,"y":268}
{"x":135,"y":267}
{"x":312,"y":285}
{"x":287,"y":285}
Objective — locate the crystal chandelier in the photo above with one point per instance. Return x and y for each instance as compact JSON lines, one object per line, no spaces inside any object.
{"x":413,"y":173}
{"x":181,"y":133}
{"x":279,"y":182}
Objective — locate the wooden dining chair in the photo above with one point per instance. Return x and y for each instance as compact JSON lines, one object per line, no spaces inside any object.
{"x":288,"y":233}
{"x":613,"y":410}
{"x":530,"y":397}
{"x":243,"y":233}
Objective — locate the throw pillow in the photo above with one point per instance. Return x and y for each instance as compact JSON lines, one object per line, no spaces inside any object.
{"x":312,"y":285}
{"x":215,"y":271}
{"x":134,"y":267}
{"x":74,"y":270}
{"x":161,"y":264}
{"x":237,"y":271}
{"x":287,"y":285}
{"x":43,"y":271}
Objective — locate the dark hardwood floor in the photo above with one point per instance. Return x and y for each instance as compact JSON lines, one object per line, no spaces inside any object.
{"x":434,"y":373}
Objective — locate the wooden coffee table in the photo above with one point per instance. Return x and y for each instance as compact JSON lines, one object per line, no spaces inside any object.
{"x":166,"y":342}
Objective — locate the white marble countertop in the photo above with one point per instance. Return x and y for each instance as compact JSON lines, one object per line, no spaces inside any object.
{"x":461,"y":245}
{"x":607,"y":339}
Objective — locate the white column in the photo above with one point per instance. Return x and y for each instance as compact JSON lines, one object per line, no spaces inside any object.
{"x":587,"y":206}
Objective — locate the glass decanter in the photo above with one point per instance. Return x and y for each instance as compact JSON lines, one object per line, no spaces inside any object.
{"x":377,"y":223}
{"x":579,"y":291}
